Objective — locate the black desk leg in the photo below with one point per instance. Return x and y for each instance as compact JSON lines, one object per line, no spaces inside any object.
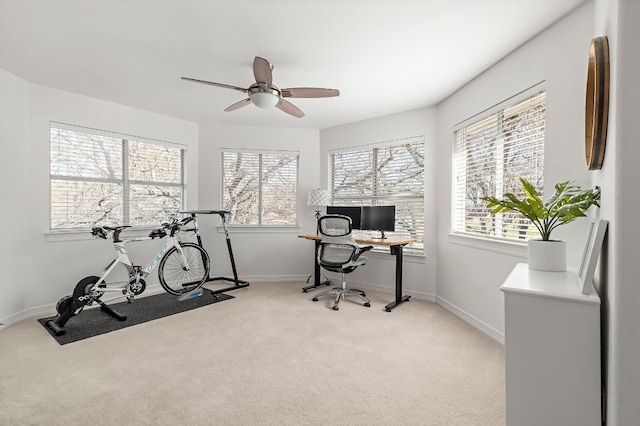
{"x":397,"y":251}
{"x":316,"y":271}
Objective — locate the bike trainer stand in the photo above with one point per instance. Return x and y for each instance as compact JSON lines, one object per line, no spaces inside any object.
{"x":70,"y":306}
{"x":223,"y":214}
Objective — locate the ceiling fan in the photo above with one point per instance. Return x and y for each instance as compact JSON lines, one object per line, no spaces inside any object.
{"x":264,"y":94}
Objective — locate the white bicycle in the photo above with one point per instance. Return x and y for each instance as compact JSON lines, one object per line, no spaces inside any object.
{"x":183,"y":268}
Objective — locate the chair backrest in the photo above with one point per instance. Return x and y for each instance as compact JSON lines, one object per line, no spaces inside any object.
{"x":337,"y":246}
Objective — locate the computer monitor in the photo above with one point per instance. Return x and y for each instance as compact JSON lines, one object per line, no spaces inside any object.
{"x":352,"y":211}
{"x":379,"y":218}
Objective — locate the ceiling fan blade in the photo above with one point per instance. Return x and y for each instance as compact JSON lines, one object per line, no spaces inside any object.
{"x":309,"y":92}
{"x":211,"y":83}
{"x":238,"y":105}
{"x":262,"y":71}
{"x":289,"y":108}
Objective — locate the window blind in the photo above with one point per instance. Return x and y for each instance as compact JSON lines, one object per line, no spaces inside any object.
{"x":155,"y":176}
{"x":260,"y":188}
{"x":490,"y":155}
{"x":279,"y":189}
{"x":391,"y":174}
{"x":99,"y":178}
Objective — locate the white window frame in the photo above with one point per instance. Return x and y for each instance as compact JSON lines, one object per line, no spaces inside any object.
{"x":374,"y":198}
{"x":125,"y":181}
{"x":260,"y":225}
{"x":459,"y":200}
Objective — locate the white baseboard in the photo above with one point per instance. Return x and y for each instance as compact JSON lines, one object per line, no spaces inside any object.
{"x":271,"y":278}
{"x":37,"y":311}
{"x":389,"y":290}
{"x":15,"y":318}
{"x":50,"y":309}
{"x":475,"y":322}
{"x":376,"y":287}
{"x":463,"y":315}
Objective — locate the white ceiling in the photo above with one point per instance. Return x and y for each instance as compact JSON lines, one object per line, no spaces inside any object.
{"x":384,"y":56}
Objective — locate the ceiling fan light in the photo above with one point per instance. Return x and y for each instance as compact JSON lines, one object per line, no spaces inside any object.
{"x":264,"y":100}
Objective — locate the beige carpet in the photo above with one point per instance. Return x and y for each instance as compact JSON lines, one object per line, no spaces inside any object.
{"x":270,"y":356}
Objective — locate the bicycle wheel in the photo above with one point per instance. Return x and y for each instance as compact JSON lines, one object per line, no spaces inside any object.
{"x":178,"y":278}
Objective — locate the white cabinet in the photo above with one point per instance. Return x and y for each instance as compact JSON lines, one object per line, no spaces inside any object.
{"x":552,"y":350}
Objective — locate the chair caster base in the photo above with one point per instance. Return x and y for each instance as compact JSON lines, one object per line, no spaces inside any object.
{"x":335,"y":307}
{"x":315,"y":299}
{"x":368,"y":305}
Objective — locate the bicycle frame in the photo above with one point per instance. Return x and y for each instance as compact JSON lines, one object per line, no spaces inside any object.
{"x":134,"y":271}
{"x":90,"y":289}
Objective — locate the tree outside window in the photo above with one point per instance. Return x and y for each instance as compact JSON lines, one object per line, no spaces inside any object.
{"x":490,"y":155}
{"x":260,"y":188}
{"x":392,"y":174}
{"x":103,"y":178}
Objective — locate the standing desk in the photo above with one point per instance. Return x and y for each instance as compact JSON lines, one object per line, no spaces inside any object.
{"x":395,"y":245}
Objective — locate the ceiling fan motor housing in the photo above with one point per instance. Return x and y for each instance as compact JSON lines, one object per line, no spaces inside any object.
{"x":264,"y":97}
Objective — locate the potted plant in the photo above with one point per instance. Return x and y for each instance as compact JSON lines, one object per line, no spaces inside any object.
{"x":567,"y":204}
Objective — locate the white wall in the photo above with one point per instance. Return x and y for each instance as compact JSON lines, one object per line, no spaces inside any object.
{"x":38,"y":272}
{"x":623,"y":301}
{"x":260,"y":254}
{"x":42,"y":270}
{"x":618,"y":287}
{"x":379,"y":273}
{"x":14,"y":187}
{"x":469,"y":277}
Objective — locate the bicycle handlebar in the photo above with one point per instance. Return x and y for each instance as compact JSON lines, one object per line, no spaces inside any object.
{"x":99,"y":232}
{"x":174,"y":226}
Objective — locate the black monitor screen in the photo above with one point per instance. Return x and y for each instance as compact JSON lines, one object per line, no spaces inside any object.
{"x":379,"y":218}
{"x":353,"y":212}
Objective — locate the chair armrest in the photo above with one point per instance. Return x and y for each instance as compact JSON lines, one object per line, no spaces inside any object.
{"x":360,"y":251}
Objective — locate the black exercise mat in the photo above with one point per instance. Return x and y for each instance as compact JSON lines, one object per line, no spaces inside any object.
{"x":94,"y":321}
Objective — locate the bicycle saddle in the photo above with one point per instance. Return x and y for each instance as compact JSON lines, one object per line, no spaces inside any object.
{"x":98,"y":231}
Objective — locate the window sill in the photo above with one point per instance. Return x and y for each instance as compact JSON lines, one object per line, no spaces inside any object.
{"x":61,"y":236}
{"x":257,"y":229}
{"x":504,"y":247}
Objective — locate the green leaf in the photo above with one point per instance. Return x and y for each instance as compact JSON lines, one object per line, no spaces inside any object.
{"x":568,"y":203}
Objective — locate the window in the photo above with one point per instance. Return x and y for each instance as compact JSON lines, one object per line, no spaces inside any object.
{"x":490,"y":155}
{"x":260,"y":188}
{"x":392,"y":174}
{"x":100,"y":177}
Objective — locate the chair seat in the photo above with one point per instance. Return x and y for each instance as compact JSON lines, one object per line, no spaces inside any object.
{"x":346,"y":268}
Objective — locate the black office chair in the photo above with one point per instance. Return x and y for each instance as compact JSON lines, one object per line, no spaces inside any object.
{"x":338,"y":252}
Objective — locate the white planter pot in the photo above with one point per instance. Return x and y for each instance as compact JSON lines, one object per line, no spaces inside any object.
{"x":547,"y":255}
